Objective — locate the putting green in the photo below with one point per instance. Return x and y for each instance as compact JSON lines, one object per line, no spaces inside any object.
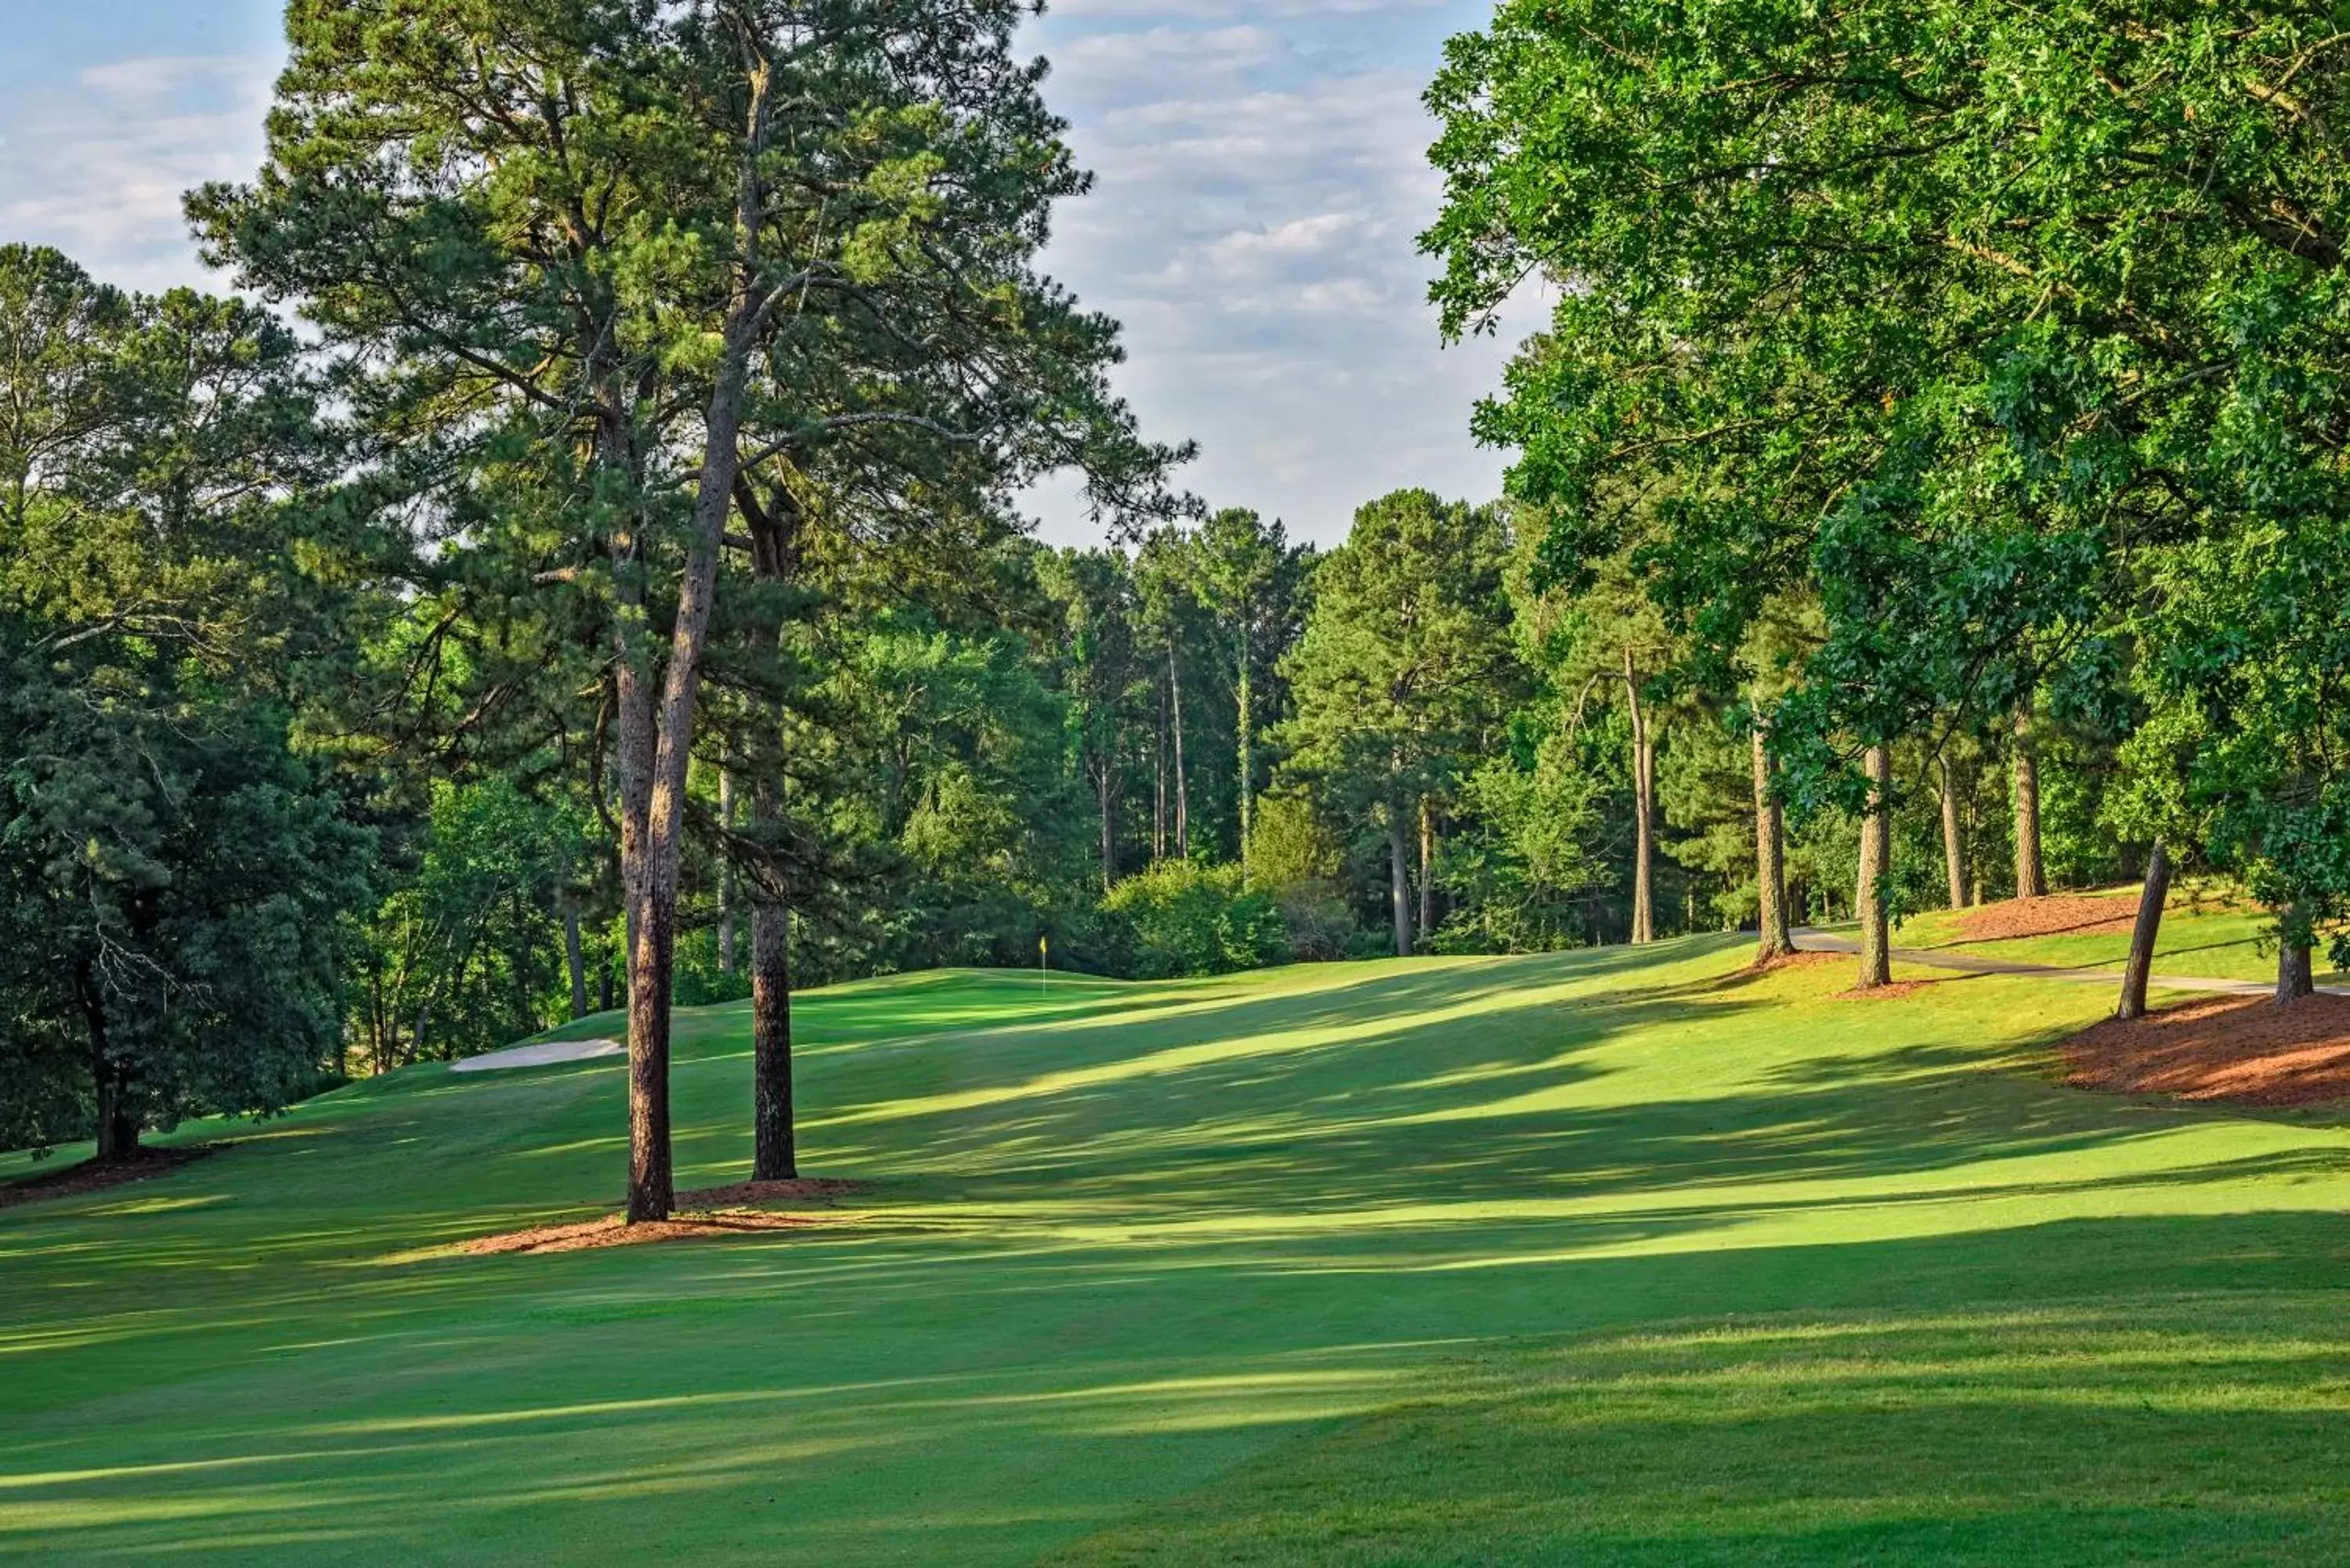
{"x":1606,"y":1258}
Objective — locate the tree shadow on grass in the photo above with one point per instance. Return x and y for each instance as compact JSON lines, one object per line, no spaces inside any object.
{"x":2152,"y":1386}
{"x":1212,"y":1230}
{"x":2191,"y":1430}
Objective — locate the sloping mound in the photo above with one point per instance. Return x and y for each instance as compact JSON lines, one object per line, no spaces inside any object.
{"x":2054,"y":916}
{"x":2246,"y":1050}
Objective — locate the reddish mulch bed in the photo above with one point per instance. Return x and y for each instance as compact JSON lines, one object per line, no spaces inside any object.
{"x":96,"y":1175}
{"x":2246,"y":1050}
{"x":711,"y":1212}
{"x":2054,"y":916}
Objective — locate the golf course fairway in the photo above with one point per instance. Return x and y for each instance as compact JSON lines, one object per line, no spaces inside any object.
{"x":1610,"y":1257}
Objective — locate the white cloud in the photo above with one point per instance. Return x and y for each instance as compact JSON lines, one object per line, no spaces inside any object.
{"x":96,"y":166}
{"x":1260,"y":191}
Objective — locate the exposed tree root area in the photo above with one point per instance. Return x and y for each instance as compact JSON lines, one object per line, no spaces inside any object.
{"x":98,"y":1175}
{"x":1892,"y":992}
{"x":2057,"y":915}
{"x":1796,"y":961}
{"x":2245,"y":1050}
{"x":709,"y":1211}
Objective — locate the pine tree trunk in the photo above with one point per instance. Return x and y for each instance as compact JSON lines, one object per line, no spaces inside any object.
{"x":1247,"y":752}
{"x":652,"y":1189}
{"x":1773,"y":939}
{"x":1400,"y":875}
{"x":1644,"y":809}
{"x":1159,"y":778}
{"x":775,"y":1151}
{"x":1427,"y":868}
{"x":574,"y":960}
{"x":1954,"y":844}
{"x":1876,"y":861}
{"x":1183,"y":778}
{"x":1105,"y":784}
{"x":656,"y":741}
{"x":2150,"y":903}
{"x":2031,"y":875}
{"x":726,"y":875}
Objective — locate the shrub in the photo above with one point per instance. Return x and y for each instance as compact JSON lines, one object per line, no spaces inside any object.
{"x":1191,"y":920}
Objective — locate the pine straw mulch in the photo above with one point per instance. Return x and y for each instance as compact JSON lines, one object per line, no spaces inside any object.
{"x":2056,"y":915}
{"x":711,"y":1212}
{"x":97,"y":1175}
{"x":2243,"y":1049}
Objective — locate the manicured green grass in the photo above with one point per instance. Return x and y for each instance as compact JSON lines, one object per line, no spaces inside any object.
{"x":1608,"y":1257}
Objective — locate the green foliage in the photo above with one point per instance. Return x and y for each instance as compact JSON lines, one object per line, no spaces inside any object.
{"x":1299,"y":859}
{"x":1404,"y":667}
{"x":1955,"y":321}
{"x":467,"y":954}
{"x":174,"y":876}
{"x":1525,"y":869}
{"x":1186,"y":919}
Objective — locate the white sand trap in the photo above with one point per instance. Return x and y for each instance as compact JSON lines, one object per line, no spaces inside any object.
{"x":541,"y":1056}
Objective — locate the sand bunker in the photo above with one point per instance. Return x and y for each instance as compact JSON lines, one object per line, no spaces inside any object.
{"x":545,"y":1053}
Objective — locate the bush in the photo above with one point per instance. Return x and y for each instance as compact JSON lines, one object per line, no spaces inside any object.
{"x":1190,"y":919}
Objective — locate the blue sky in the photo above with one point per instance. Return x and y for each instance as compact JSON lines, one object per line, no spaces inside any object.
{"x":1260,"y":178}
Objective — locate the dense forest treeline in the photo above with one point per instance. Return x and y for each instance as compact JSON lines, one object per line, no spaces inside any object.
{"x":615,"y":595}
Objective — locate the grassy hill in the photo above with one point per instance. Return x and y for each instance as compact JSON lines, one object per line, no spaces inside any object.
{"x":1602,"y":1259}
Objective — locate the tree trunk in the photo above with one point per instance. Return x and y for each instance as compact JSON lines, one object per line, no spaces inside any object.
{"x":776,"y":1156}
{"x":117,"y":1123}
{"x":1183,"y":778}
{"x":1876,"y":861}
{"x":1158,"y":777}
{"x":776,"y":1153}
{"x":1400,"y":875}
{"x":2150,"y":902}
{"x":1104,"y":783}
{"x":1773,"y":939}
{"x":2296,"y":976}
{"x":1427,"y":868}
{"x":2031,"y":875}
{"x":1644,"y":809}
{"x":1954,"y":844}
{"x":377,"y":1036}
{"x":656,"y":741}
{"x":574,"y":960}
{"x":726,"y":876}
{"x":1247,"y":750}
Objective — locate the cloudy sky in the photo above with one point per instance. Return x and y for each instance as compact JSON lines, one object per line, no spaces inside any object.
{"x":1261,"y":178}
